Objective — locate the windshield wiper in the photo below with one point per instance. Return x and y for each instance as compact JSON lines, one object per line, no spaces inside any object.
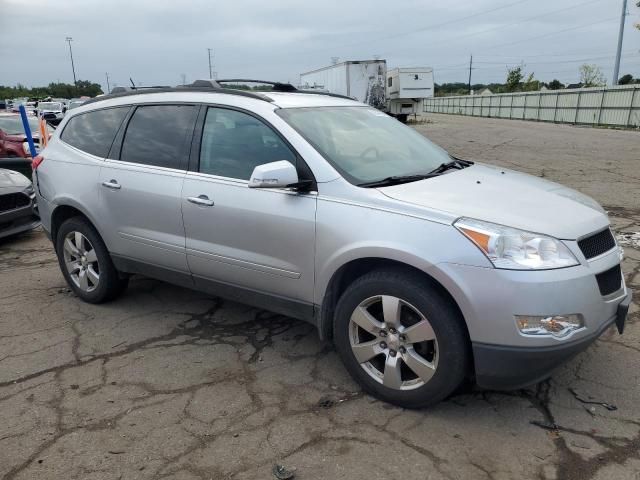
{"x":456,"y":163}
{"x":396,"y":180}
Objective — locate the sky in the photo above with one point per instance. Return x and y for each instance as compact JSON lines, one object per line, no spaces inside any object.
{"x":157,"y":42}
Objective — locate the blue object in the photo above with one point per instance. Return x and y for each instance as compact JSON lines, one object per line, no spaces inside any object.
{"x":27,"y":131}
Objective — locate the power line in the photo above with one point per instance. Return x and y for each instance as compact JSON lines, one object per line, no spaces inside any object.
{"x":499,"y":27}
{"x":508,"y":44}
{"x":422,"y":29}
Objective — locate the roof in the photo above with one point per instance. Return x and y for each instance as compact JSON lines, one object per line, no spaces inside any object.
{"x":222,"y":95}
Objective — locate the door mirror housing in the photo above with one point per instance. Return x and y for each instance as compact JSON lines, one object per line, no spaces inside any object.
{"x":280,"y":174}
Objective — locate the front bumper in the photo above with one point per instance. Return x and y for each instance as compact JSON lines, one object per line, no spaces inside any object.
{"x":502,"y":367}
{"x":21,"y":219}
{"x":490,"y":299}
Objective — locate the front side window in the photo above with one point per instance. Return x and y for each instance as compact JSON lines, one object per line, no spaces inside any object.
{"x":364,"y":144}
{"x":234,"y":143}
{"x":93,"y":132}
{"x":158,"y":135}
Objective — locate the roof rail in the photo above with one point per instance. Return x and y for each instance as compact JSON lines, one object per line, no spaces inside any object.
{"x":126,"y":92}
{"x":276,"y":86}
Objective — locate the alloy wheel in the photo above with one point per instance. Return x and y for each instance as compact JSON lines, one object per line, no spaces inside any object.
{"x":393,"y":342}
{"x":81,"y":261}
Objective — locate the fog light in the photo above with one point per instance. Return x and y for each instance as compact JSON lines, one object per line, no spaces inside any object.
{"x":558,"y":326}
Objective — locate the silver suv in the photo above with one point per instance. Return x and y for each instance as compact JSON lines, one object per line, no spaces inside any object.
{"x":425,"y":270}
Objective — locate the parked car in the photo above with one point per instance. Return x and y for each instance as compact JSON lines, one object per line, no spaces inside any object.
{"x":423,"y":269}
{"x":18,"y":206}
{"x":13,"y":141}
{"x":76,"y":102}
{"x":52,"y":112}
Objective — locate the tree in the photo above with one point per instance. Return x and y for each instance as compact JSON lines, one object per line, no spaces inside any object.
{"x":591,"y":76}
{"x":625,"y":79}
{"x":530,"y":84}
{"x":514,"y":78}
{"x":555,"y":84}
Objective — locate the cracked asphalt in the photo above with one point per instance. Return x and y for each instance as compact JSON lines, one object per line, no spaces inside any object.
{"x":170,"y":383}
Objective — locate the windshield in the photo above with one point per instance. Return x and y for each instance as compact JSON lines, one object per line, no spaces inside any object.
{"x":13,"y":125}
{"x":365,"y":144}
{"x":53,"y":106}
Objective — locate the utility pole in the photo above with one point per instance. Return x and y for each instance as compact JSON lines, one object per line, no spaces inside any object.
{"x":616,"y":68}
{"x":73,"y":68}
{"x":108,"y":88}
{"x":470,"y":68}
{"x":210,"y":71}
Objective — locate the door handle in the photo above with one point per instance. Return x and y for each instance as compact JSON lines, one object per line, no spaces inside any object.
{"x":201,"y":200}
{"x":112,"y":184}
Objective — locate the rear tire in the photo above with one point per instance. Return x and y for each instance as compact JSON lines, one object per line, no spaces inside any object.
{"x":401,"y":339}
{"x":85,"y":262}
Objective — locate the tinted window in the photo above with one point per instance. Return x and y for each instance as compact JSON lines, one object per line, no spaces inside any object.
{"x":94,"y":132}
{"x":234,"y":143}
{"x":158,"y":135}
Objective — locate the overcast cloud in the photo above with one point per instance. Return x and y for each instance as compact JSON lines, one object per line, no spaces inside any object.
{"x":155,"y":42}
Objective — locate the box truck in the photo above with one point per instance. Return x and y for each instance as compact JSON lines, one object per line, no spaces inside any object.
{"x":399,"y":92}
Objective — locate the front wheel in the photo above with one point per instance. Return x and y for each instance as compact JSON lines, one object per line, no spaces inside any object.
{"x":401,"y":339}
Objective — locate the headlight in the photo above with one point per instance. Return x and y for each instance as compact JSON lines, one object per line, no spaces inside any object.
{"x":514,"y":249}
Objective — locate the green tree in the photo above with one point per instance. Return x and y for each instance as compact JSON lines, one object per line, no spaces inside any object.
{"x":514,"y":79}
{"x":56,"y":90}
{"x":625,"y":79}
{"x":591,"y":76}
{"x":555,"y":84}
{"x":530,"y":84}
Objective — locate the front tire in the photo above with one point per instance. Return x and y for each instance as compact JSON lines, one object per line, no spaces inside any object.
{"x":401,"y":339}
{"x":85,"y":262}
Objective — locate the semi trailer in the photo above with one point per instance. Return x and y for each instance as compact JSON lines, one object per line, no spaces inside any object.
{"x":399,"y":92}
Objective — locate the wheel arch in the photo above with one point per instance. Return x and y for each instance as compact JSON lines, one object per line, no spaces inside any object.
{"x":354,"y":269}
{"x":66,"y":210}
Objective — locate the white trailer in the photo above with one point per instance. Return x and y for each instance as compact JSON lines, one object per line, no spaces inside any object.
{"x":399,"y":92}
{"x":363,"y":80}
{"x":406,"y":90}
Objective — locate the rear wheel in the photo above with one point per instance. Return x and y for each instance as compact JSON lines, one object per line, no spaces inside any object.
{"x":401,"y":339}
{"x":86,"y":263}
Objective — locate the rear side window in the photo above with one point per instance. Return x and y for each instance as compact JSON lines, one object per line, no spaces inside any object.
{"x":93,"y":132}
{"x":158,"y":135}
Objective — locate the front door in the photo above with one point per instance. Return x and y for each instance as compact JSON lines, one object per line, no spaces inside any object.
{"x":260,"y":241}
{"x":140,"y":191}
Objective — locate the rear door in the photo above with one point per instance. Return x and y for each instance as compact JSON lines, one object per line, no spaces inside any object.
{"x":260,"y":240}
{"x":140,"y":186}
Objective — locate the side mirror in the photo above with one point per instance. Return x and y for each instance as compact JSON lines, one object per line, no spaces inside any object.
{"x":279,"y":174}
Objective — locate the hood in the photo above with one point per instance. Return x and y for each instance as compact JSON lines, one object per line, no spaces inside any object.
{"x":11,"y":179}
{"x":508,"y":198}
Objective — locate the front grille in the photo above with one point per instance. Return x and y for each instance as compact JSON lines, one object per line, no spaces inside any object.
{"x":12,"y":201}
{"x":610,"y":280}
{"x":597,"y":244}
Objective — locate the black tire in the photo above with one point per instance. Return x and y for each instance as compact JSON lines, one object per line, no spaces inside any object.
{"x":111,"y":284}
{"x":453,"y":361}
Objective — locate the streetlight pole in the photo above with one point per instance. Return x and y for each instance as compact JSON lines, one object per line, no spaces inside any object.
{"x":73,"y":68}
{"x":616,"y":68}
{"x":210,"y":71}
{"x":108,"y":88}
